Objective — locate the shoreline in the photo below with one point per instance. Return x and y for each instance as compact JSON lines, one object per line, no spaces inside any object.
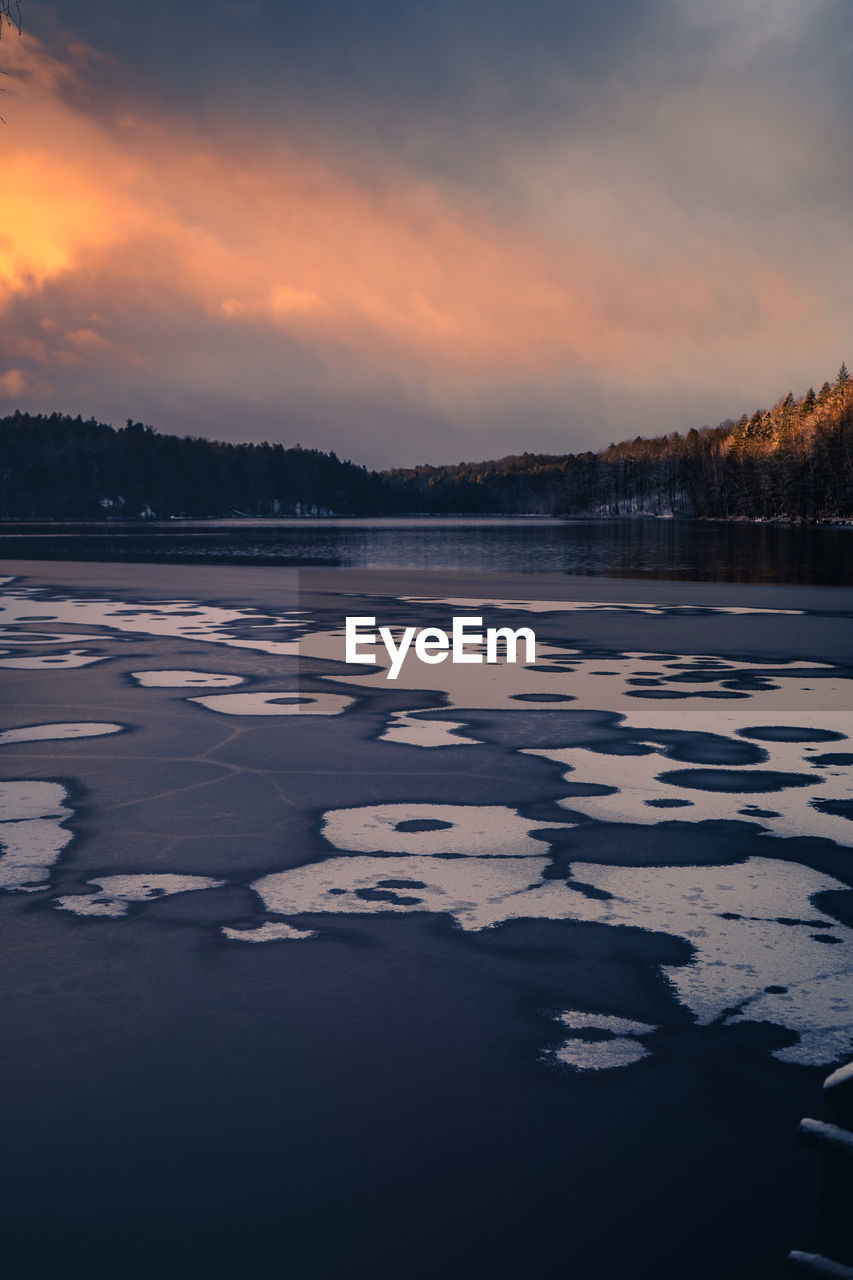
{"x":415,"y":517}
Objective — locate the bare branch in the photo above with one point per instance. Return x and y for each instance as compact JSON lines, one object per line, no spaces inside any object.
{"x":10,"y":15}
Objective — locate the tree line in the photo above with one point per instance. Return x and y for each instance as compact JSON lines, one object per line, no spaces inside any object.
{"x":791,"y":462}
{"x":58,"y":467}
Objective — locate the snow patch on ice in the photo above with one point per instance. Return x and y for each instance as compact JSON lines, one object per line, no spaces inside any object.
{"x":435,"y":829}
{"x":700,"y":692}
{"x":57,"y":732}
{"x":282,"y":702}
{"x":640,"y":782}
{"x":617,"y":1048}
{"x":32,"y":836}
{"x":760,"y":945}
{"x":115,"y":894}
{"x":599,"y":1055}
{"x":52,"y":661}
{"x":760,"y":950}
{"x":269,"y":932}
{"x":13,"y":635}
{"x":477,"y":892}
{"x":579,"y":1020}
{"x":406,"y":727}
{"x":180,"y":619}
{"x":185,"y":679}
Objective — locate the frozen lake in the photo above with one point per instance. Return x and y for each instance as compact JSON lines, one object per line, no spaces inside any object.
{"x":482,"y":971}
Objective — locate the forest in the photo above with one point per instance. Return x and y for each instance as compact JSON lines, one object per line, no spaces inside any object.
{"x":793,"y":461}
{"x":63,"y":468}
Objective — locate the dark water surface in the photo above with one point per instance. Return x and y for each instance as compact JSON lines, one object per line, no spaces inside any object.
{"x":715,"y":551}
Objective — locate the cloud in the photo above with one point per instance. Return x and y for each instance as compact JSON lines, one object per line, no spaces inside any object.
{"x":144,"y":214}
{"x":216,"y":277}
{"x":13,"y":382}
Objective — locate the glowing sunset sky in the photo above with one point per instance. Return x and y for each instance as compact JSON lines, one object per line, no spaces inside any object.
{"x":424,"y":232}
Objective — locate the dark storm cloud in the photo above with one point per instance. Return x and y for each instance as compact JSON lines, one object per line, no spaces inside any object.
{"x":378,"y":54}
{"x":384,"y":64}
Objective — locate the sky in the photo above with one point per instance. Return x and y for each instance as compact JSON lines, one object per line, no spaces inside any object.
{"x":417,"y":232}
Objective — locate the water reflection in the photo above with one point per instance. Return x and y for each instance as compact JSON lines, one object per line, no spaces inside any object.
{"x":674,"y":549}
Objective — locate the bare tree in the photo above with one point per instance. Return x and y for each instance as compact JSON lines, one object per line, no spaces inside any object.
{"x":10,"y":15}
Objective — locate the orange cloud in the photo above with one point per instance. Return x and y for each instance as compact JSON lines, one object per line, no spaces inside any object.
{"x":150,"y":216}
{"x":13,"y":382}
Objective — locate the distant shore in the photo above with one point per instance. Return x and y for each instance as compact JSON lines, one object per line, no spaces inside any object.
{"x":404,"y":518}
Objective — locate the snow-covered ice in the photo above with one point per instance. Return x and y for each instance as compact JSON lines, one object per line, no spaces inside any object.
{"x":32,"y":835}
